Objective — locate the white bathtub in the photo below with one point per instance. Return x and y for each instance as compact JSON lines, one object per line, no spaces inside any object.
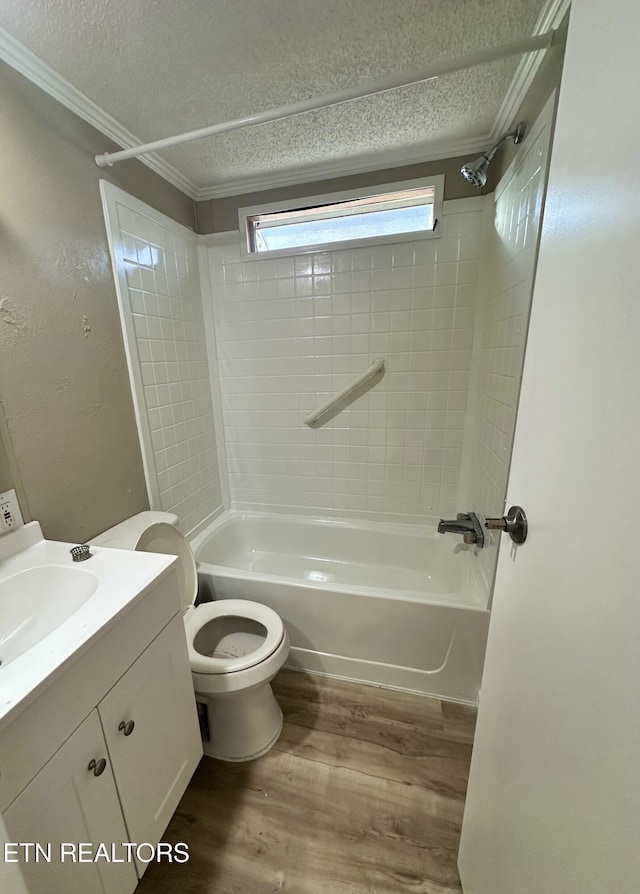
{"x":389,"y":604}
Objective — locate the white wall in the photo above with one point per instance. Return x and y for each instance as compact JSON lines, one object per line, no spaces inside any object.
{"x":553,"y":803}
{"x":510,"y":251}
{"x":161,"y":309}
{"x":292,"y":331}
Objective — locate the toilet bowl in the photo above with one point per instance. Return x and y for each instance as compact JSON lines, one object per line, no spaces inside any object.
{"x":236,"y":647}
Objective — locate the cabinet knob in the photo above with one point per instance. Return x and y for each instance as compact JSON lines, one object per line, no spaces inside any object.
{"x":98,"y":766}
{"x":126,"y":726}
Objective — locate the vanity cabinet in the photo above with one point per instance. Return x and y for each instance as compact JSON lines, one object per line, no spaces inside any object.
{"x":134,"y":714}
{"x":152,"y":734}
{"x":68,"y":803}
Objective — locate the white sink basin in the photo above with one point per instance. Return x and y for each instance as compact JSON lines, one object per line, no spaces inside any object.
{"x":36,"y":601}
{"x":52,"y":608}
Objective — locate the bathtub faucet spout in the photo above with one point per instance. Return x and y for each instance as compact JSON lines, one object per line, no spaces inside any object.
{"x":465,"y":523}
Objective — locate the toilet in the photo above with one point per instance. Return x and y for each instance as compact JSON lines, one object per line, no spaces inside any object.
{"x":236,"y":647}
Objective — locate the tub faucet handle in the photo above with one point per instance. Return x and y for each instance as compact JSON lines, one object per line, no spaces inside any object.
{"x":465,"y":523}
{"x":514,"y":523}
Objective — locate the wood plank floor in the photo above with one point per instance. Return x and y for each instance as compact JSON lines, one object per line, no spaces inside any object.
{"x":362,"y":794}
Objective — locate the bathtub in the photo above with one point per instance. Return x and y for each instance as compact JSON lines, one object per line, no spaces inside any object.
{"x":393,"y":605}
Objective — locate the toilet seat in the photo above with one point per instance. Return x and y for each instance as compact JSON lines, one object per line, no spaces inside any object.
{"x":162,"y":537}
{"x":196,"y":619}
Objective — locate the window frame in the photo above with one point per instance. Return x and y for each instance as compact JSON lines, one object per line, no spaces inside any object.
{"x":295,"y":204}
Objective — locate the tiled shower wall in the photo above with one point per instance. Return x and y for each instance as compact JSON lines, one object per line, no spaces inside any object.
{"x":159,"y":286}
{"x":292,"y":331}
{"x":502,"y":322}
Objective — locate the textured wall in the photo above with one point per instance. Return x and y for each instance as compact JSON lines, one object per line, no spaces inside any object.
{"x":6,"y":475}
{"x":292,"y":331}
{"x":63,"y":376}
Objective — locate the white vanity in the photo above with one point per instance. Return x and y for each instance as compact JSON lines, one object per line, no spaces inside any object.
{"x":98,"y":725}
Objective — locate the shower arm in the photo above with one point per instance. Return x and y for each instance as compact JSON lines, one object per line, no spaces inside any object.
{"x":515,"y":135}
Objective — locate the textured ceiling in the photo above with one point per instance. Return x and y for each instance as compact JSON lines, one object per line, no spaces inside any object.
{"x":160,"y":67}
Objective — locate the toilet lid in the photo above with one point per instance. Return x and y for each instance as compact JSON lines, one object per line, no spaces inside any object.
{"x":164,"y":538}
{"x":232,"y":608}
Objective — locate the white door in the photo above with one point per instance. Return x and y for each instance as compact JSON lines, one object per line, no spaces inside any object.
{"x":553,"y":805}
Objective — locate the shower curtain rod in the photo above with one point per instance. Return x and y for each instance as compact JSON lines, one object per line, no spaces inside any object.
{"x":431,"y":72}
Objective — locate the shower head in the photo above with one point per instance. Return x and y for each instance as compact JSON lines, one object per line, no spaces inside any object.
{"x":475,"y":172}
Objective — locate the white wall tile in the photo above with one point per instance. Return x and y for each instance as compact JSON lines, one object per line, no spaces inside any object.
{"x":503,"y":314}
{"x":411,"y":303}
{"x":163,"y":289}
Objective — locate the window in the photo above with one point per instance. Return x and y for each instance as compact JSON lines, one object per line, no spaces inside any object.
{"x":392,"y":213}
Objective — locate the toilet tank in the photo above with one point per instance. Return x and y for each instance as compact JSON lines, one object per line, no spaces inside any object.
{"x":127,"y":534}
{"x":144,"y":531}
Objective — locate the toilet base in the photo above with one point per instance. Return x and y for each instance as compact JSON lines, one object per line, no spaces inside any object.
{"x":250,"y":757}
{"x":244,"y":726}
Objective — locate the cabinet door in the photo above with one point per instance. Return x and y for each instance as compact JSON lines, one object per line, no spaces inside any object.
{"x":150,"y":723}
{"x":67,"y":803}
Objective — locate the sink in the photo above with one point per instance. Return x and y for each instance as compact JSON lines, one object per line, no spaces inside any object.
{"x":52,"y":609}
{"x":36,"y":601}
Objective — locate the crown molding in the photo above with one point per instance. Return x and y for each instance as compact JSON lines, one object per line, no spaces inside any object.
{"x":553,"y":12}
{"x":342,"y":167}
{"x":42,"y":75}
{"x":38,"y":72}
{"x":551,"y":16}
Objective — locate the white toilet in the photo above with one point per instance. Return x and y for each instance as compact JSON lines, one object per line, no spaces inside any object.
{"x":236,"y":647}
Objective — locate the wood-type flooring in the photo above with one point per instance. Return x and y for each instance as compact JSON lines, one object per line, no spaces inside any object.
{"x":362,"y":794}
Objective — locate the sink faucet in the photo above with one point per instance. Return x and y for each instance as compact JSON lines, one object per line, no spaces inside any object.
{"x":467,"y":524}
